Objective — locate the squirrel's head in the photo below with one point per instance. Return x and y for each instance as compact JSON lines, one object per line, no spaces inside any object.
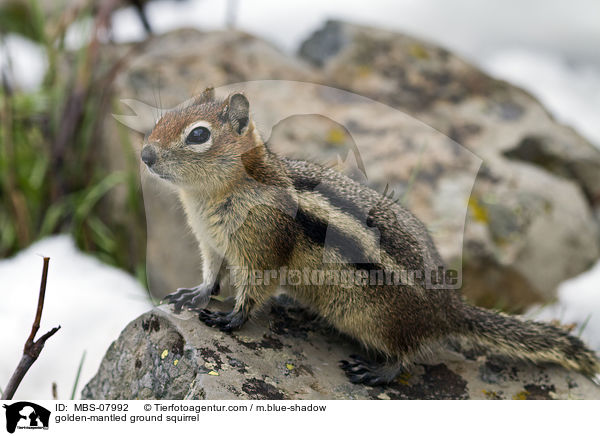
{"x":201,"y":144}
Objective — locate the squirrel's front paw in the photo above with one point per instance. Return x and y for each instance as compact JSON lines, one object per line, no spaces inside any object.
{"x":193,"y":298}
{"x":225,"y":321}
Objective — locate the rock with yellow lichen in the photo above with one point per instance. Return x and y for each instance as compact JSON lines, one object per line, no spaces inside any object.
{"x":286,"y":353}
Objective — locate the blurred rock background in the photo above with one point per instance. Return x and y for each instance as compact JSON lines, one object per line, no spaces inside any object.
{"x":536,"y":194}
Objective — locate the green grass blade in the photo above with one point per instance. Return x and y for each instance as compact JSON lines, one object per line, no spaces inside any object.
{"x":76,"y":383}
{"x":584,"y":325}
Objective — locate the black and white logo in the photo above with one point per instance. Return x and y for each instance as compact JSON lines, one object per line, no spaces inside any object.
{"x":26,"y":415}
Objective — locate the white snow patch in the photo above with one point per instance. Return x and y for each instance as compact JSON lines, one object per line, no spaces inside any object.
{"x":91,"y":301}
{"x":79,"y":33}
{"x":23,"y":61}
{"x":168,"y":15}
{"x":579,"y":303}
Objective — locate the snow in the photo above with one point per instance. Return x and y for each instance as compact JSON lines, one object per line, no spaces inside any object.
{"x":25,"y":59}
{"x":91,"y":301}
{"x":579,"y":303}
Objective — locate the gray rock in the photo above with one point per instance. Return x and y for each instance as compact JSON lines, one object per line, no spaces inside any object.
{"x":530,"y":221}
{"x":538,"y":191}
{"x":288,"y":354}
{"x":474,"y":109}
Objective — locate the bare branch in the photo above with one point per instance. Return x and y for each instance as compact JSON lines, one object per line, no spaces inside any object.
{"x":32,"y":348}
{"x":40,"y":305}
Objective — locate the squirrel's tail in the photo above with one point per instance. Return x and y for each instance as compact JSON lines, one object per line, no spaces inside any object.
{"x":534,"y":341}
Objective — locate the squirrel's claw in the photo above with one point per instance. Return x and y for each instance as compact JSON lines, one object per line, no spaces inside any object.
{"x":195,"y":298}
{"x":360,"y":371}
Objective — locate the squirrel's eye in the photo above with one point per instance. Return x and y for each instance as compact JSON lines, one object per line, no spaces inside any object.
{"x":198,"y":136}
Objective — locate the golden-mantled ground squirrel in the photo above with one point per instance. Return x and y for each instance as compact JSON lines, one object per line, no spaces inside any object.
{"x":264,"y":217}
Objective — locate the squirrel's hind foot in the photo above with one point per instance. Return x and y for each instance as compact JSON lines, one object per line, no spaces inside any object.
{"x":361,"y":371}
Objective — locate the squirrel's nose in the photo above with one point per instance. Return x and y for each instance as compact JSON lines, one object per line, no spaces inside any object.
{"x":149,"y":155}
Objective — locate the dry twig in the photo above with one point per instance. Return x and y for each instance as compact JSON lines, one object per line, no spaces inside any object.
{"x":32,"y":348}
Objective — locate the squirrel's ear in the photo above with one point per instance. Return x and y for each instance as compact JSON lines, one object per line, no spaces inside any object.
{"x":207,"y":95}
{"x":238,"y":109}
